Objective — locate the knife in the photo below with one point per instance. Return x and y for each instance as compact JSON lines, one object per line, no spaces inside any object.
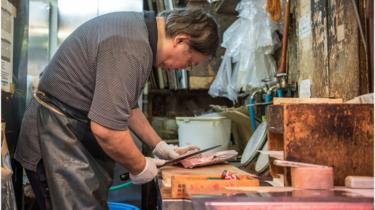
{"x":125,"y":176}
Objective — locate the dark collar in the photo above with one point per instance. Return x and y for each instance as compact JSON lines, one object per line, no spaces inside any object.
{"x":150,"y":21}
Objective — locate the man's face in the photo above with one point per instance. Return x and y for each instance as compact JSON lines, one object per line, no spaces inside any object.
{"x":182,"y":56}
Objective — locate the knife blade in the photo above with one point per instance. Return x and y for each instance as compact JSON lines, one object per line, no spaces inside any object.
{"x":125,"y":176}
{"x":171,"y":162}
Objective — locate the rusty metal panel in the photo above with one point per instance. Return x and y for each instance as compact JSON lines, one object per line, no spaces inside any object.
{"x":275,"y":135}
{"x":275,"y":143}
{"x":338,"y":135}
{"x":275,"y":122}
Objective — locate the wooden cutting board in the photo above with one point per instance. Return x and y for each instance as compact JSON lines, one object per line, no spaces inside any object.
{"x":168,"y":171}
{"x":177,"y":171}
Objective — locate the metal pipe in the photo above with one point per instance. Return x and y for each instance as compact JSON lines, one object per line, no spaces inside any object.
{"x":251,"y":109}
{"x":257,"y":91}
{"x":268,"y":96}
{"x":252,"y":114}
{"x":281,"y":74}
{"x":282,"y":67}
{"x":360,"y":27}
{"x":367,"y":57}
{"x":259,"y":104}
{"x":272,"y":88}
{"x":279,"y":92}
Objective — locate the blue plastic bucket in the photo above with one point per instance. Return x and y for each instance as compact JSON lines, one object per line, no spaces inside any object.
{"x":121,"y":206}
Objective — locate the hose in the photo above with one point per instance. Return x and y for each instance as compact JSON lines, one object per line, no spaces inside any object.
{"x":120,"y":186}
{"x":252,"y":114}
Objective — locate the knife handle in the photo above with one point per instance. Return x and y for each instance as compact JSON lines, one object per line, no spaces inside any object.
{"x":125,"y":176}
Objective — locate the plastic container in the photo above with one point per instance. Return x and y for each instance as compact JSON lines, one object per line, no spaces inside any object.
{"x":121,"y":206}
{"x":204,"y":131}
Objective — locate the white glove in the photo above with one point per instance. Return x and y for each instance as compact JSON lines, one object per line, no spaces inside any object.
{"x":168,"y":152}
{"x":159,"y":162}
{"x":148,"y":173}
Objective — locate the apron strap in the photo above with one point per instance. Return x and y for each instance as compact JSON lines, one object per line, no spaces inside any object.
{"x":55,"y":105}
{"x":46,"y":105}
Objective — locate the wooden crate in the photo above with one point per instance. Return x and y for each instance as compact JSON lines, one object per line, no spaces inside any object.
{"x":337,"y":135}
{"x":197,"y":176}
{"x":184,"y":186}
{"x":214,"y":170}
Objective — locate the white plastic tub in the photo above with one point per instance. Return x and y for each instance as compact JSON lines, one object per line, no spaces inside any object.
{"x":204,"y":131}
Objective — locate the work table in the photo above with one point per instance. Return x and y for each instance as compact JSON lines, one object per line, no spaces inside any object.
{"x":255,"y":197}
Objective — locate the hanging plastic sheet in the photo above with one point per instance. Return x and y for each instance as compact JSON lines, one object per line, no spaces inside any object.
{"x":249,"y":44}
{"x":222,"y":86}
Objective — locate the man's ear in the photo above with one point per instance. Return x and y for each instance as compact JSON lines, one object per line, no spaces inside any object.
{"x":181,"y":39}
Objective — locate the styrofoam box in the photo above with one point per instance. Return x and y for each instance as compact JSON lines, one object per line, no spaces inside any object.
{"x":204,"y":131}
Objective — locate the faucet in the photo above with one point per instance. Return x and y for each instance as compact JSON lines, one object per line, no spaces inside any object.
{"x":269,"y":91}
{"x":282,"y":79}
{"x":251,"y":108}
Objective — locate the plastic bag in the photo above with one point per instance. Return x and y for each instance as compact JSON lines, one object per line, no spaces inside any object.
{"x":222,"y":85}
{"x":249,"y":44}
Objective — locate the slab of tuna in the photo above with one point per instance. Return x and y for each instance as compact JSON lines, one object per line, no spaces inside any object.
{"x":208,"y":158}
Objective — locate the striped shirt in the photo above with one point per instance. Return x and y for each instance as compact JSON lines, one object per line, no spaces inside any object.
{"x":102,"y":67}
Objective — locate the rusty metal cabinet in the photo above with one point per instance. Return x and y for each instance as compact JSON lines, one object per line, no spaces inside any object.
{"x":338,"y":135}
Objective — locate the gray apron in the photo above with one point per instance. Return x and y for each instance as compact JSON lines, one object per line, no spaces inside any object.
{"x":78,"y":171}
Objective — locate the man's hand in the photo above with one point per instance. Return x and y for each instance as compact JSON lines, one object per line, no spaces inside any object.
{"x":168,"y":152}
{"x":159,"y":162}
{"x":148,"y":173}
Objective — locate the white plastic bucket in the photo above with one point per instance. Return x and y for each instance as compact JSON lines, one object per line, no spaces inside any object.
{"x":204,"y":131}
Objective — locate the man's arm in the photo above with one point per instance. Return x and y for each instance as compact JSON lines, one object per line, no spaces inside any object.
{"x":140,"y":125}
{"x":120,"y":147}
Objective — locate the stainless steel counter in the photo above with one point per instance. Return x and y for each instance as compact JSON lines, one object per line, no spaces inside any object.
{"x":296,"y":199}
{"x":180,"y":204}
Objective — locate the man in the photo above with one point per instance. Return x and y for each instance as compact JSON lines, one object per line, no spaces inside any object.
{"x":78,"y":123}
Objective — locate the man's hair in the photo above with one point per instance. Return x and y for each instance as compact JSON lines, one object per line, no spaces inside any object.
{"x":198,"y":24}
